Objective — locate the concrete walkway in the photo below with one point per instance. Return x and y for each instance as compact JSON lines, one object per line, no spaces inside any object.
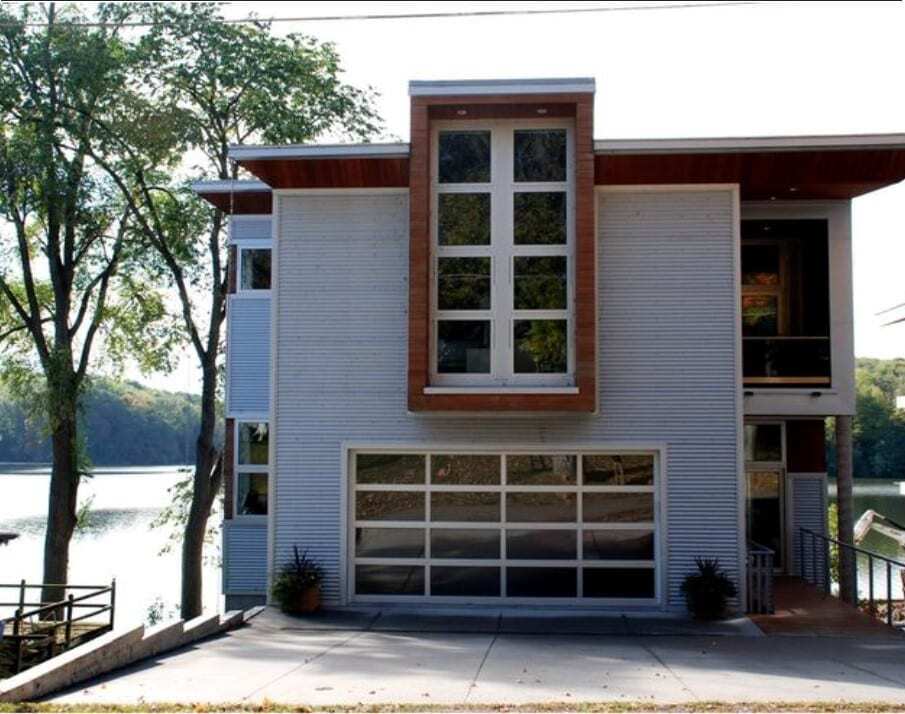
{"x":391,"y":657}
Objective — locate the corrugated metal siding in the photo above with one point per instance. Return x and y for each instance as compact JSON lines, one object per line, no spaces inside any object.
{"x":809,"y":504}
{"x":250,"y":227}
{"x":667,"y":361}
{"x":244,"y":558}
{"x":248,"y":355}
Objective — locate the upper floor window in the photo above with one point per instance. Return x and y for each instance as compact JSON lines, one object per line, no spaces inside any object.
{"x":252,"y":468}
{"x":785,"y":303}
{"x":254,"y":268}
{"x":503,"y":247}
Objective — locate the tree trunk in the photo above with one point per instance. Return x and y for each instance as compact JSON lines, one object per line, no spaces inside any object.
{"x":63,"y":499}
{"x":206,"y":485}
{"x":845,"y":509}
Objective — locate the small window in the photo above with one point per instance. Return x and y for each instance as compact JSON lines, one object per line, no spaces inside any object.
{"x":464,"y":156}
{"x":463,"y":218}
{"x":254,"y":269}
{"x":540,"y":155}
{"x":252,"y":468}
{"x":541,"y":346}
{"x":763,"y":442}
{"x":252,"y":494}
{"x":539,"y":218}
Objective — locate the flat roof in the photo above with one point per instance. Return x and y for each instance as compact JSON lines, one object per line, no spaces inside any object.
{"x":701,"y":145}
{"x":237,"y":186}
{"x":318,"y":151}
{"x":463,"y":87}
{"x":749,"y":143}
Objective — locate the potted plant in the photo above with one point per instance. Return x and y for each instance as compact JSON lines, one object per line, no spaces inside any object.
{"x":707,"y":592}
{"x":297,"y":586}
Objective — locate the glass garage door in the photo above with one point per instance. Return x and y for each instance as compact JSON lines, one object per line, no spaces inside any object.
{"x":479,"y":527}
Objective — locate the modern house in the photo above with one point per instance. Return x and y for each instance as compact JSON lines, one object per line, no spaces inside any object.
{"x":507,"y":363}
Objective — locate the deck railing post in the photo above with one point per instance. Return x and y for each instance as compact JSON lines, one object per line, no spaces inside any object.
{"x":870,"y":584}
{"x":112,"y":601}
{"x":814,"y":557}
{"x":889,"y":593}
{"x":69,"y":620}
{"x":801,"y":553}
{"x":22,"y":595}
{"x":17,"y":630}
{"x":827,"y":576}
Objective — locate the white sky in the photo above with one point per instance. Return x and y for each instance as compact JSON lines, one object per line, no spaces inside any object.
{"x":754,"y":70}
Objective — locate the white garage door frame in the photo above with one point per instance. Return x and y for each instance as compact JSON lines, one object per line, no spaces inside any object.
{"x":659,"y":490}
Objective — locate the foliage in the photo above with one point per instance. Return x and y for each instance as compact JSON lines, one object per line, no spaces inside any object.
{"x":175,"y":515}
{"x":196,"y":86}
{"x":708,"y":591}
{"x":832,"y":518}
{"x":158,"y":611}
{"x":879,"y":428}
{"x":122,"y":424}
{"x":295,"y":578}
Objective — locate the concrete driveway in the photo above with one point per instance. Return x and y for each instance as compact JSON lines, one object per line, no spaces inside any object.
{"x":391,"y":657}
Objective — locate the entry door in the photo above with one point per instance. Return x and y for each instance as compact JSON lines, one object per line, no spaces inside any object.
{"x":765,"y":510}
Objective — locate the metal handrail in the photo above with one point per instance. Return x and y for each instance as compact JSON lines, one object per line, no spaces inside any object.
{"x":67,"y":606}
{"x":871,"y":557}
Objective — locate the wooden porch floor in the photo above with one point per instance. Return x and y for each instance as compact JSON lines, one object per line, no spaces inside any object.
{"x":802,"y":609}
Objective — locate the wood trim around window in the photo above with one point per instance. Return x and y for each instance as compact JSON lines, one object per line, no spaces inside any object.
{"x":229,"y":473}
{"x":423,"y":111}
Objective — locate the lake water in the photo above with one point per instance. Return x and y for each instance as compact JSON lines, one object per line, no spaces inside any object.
{"x":118,"y":541}
{"x":884,"y":497}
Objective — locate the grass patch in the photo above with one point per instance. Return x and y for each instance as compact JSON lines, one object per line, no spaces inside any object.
{"x":565,"y":707}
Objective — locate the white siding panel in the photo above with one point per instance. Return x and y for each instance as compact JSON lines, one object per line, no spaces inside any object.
{"x":809,"y":504}
{"x":248,"y":355}
{"x":667,"y":362}
{"x":244,"y":558}
{"x":250,"y":227}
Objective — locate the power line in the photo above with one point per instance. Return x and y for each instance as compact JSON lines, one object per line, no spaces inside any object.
{"x":417,"y":15}
{"x":890,"y":309}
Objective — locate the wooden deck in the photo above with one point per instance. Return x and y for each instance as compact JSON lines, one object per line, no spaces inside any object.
{"x":802,"y":609}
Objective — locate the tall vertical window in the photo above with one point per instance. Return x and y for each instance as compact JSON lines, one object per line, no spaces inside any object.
{"x":254,"y":268}
{"x":252,"y":468}
{"x":502,"y":288}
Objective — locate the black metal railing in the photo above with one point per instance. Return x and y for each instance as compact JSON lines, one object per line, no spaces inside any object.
{"x":786,"y":361}
{"x":817,"y":569}
{"x":760,"y":579}
{"x":45,"y":629}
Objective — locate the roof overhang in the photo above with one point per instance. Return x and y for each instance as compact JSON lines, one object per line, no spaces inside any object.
{"x":236,"y":197}
{"x":326,"y":165}
{"x":495,"y":87}
{"x":767,"y":168}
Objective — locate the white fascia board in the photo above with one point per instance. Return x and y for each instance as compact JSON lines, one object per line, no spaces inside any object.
{"x":743,"y":144}
{"x":237,"y":186}
{"x":319,"y":151}
{"x":451,"y":88}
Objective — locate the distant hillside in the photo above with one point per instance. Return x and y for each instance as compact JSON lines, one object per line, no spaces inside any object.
{"x":123,"y":424}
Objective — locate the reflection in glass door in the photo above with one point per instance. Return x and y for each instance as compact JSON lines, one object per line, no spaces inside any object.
{"x":765,"y":510}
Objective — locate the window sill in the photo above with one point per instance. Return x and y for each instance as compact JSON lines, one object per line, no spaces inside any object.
{"x":500,"y":390}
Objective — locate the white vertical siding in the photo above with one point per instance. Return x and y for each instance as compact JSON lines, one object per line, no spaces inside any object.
{"x":248,"y":355}
{"x":250,"y":228}
{"x":667,"y":362}
{"x":808,"y":510}
{"x":244,"y":558}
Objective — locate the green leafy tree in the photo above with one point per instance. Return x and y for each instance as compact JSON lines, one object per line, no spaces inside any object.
{"x":206,"y":85}
{"x":70,"y":276}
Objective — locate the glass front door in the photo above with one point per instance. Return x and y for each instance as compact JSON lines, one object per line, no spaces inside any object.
{"x":765,"y":510}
